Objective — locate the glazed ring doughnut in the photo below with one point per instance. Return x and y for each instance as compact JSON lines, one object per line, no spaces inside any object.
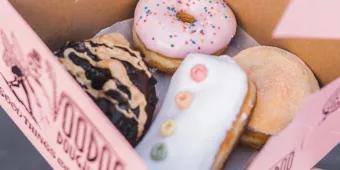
{"x":283,"y":81}
{"x":167,"y":31}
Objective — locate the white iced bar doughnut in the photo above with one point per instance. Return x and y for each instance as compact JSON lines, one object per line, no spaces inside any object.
{"x":203,"y":106}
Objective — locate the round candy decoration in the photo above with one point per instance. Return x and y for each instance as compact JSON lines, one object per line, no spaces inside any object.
{"x":199,"y":73}
{"x":168,"y":128}
{"x":183,"y":100}
{"x":159,"y":152}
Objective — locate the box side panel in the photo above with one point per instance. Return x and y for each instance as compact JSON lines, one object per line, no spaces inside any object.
{"x":260,"y":19}
{"x":57,"y":21}
{"x":313,"y":133}
{"x":50,"y":108}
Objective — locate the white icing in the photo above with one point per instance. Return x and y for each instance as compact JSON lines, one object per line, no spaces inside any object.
{"x":201,"y":128}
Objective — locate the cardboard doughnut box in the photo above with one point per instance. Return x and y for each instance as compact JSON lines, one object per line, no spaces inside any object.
{"x":57,"y":117}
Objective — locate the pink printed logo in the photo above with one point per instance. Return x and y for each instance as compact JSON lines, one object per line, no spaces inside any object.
{"x":32,"y":82}
{"x":285,"y":163}
{"x":80,"y":139}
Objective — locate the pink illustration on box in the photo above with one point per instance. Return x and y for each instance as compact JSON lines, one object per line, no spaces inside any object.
{"x":25,"y":80}
{"x":49,"y":106}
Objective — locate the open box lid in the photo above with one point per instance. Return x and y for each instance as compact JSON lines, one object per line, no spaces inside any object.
{"x":78,"y":26}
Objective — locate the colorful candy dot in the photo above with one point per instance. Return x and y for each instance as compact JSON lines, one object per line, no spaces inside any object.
{"x":168,"y":128}
{"x":202,"y":32}
{"x":159,"y":152}
{"x":205,"y":9}
{"x":199,"y":73}
{"x":183,"y":100}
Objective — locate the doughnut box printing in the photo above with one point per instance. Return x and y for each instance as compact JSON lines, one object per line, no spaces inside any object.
{"x":57,"y":117}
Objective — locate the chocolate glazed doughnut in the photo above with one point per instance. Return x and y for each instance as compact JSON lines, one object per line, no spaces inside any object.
{"x":117,"y":80}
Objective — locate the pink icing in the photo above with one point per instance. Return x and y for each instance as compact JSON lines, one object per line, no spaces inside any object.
{"x":199,"y":73}
{"x":157,"y":25}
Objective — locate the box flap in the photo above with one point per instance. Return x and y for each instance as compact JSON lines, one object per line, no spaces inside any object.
{"x":301,"y":16}
{"x":260,"y":17}
{"x":49,"y":106}
{"x":313,"y":133}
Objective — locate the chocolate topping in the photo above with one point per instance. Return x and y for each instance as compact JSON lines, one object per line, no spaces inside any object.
{"x":116,"y":78}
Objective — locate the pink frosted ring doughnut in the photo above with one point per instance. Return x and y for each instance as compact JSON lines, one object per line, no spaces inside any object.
{"x":166,"y":31}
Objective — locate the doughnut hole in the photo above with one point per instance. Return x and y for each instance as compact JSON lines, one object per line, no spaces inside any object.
{"x":185,"y":17}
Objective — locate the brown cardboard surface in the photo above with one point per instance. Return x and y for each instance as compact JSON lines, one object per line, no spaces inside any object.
{"x":259,"y":19}
{"x":57,"y":21}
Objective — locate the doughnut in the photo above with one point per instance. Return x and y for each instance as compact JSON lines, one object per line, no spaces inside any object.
{"x":117,"y":80}
{"x":206,"y":107}
{"x":166,"y":31}
{"x":282,"y":81}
